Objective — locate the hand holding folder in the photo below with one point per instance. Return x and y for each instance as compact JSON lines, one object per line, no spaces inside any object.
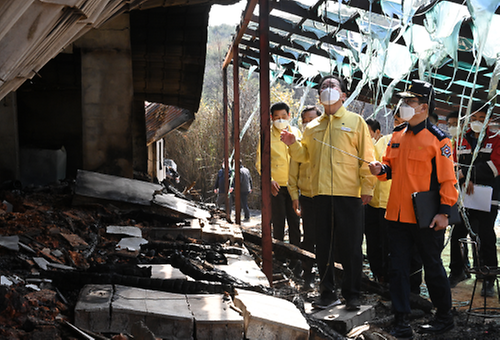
{"x":426,"y":205}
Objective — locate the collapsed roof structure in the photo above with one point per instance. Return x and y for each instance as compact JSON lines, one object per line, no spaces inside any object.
{"x":379,"y":46}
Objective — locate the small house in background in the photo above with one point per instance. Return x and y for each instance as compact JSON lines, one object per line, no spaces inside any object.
{"x":160,"y":121}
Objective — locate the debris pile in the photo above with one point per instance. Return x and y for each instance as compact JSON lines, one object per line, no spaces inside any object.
{"x":56,"y":245}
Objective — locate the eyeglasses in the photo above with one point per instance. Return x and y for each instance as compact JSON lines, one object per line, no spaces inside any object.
{"x":330,"y":84}
{"x":409,"y":101}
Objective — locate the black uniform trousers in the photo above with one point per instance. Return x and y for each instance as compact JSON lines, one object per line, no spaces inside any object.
{"x":339,"y":234}
{"x":429,"y":243}
{"x":457,"y":261}
{"x":377,"y":245}
{"x":282,"y":208}
{"x":308,"y":223}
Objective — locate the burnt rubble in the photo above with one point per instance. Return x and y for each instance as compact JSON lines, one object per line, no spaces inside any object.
{"x":50,"y":249}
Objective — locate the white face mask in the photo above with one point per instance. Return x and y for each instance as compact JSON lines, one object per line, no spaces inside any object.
{"x":329,"y":96}
{"x":476,"y":126}
{"x":406,"y":112}
{"x":494,"y":127}
{"x":280,"y":123}
{"x":453,"y":131}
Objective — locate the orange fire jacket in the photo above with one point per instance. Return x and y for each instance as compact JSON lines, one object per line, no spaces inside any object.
{"x":418,"y":159}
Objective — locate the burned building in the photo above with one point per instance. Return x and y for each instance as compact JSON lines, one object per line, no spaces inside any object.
{"x":74,"y":76}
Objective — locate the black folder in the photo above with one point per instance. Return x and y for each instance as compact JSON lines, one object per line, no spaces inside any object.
{"x":426,"y":205}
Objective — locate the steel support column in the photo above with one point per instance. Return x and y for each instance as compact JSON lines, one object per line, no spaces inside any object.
{"x":265,"y":140}
{"x":226,"y":144}
{"x":236,"y":130}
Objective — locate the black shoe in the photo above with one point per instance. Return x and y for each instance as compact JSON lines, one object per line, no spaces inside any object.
{"x":247,"y":219}
{"x":326,"y":301}
{"x":401,"y":328}
{"x":487,"y":289}
{"x":456,"y":278}
{"x":440,"y":324}
{"x":352,"y":304}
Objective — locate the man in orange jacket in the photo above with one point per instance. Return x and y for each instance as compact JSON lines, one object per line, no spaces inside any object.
{"x":418,"y":159}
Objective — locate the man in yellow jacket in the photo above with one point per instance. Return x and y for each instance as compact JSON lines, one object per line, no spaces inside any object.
{"x":377,"y":247}
{"x":337,"y":145}
{"x":299,"y":186}
{"x":280,"y":162}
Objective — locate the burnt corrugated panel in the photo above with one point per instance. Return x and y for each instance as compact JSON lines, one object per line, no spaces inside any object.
{"x":168,"y":44}
{"x":162,"y":119}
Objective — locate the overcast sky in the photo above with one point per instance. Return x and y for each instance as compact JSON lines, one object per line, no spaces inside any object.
{"x":230,"y":15}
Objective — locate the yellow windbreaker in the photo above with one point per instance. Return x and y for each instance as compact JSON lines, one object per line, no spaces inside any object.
{"x":299,"y":180}
{"x":280,"y":159}
{"x":382,"y":188}
{"x":333,"y":172}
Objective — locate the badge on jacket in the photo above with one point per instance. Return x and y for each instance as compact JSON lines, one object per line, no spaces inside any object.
{"x":446,"y":151}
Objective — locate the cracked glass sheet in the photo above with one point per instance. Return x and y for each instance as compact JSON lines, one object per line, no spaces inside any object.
{"x":289,"y":17}
{"x":337,"y":12}
{"x":303,"y":42}
{"x":435,"y":44}
{"x":377,"y":26}
{"x":482,"y":12}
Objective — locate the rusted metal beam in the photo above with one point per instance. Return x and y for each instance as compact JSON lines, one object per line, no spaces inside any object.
{"x":236,"y":130}
{"x":265,"y":140}
{"x":226,"y":144}
{"x":241,"y":30}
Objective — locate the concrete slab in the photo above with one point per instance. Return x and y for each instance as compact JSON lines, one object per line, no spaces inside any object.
{"x":268,"y":317}
{"x":160,"y":233}
{"x":164,"y":271}
{"x":179,"y":205}
{"x":342,"y":320}
{"x":92,"y":310}
{"x":244,"y":268}
{"x":167,"y":315}
{"x":93,"y":186}
{"x":214,"y":317}
{"x":222,"y":232}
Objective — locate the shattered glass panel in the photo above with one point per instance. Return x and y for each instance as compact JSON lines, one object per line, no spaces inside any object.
{"x":337,"y":12}
{"x":482,"y":13}
{"x":402,"y":9}
{"x":465,"y":44}
{"x":292,"y":51}
{"x":285,"y":15}
{"x":353,"y":40}
{"x":399,"y":61}
{"x":492,"y":43}
{"x":443,"y":24}
{"x":307,"y":70}
{"x":324,"y":65}
{"x":306,"y":3}
{"x":316,"y":31}
{"x":281,"y":33}
{"x":377,"y":26}
{"x":254,"y":26}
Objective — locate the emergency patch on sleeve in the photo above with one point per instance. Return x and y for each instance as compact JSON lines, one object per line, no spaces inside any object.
{"x":446,"y":151}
